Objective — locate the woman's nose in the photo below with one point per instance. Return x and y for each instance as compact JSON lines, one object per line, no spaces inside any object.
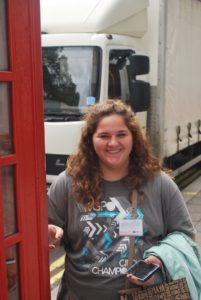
{"x":113,"y":140}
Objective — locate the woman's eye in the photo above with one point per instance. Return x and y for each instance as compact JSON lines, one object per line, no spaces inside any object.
{"x":106,"y":137}
{"x":121,"y":134}
{"x":103,"y":137}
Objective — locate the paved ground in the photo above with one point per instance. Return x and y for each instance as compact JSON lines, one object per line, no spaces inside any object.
{"x":192,"y":196}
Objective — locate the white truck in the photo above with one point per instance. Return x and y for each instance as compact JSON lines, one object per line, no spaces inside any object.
{"x":147,"y":53}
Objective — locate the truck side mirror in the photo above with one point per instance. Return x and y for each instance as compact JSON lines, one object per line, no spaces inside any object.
{"x":139,"y":65}
{"x":139,"y":90}
{"x":139,"y":95}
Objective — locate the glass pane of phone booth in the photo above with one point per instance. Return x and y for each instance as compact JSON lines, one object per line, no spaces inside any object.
{"x":9,"y":203}
{"x":3,"y":37}
{"x":6,"y":144}
{"x":13,"y":274}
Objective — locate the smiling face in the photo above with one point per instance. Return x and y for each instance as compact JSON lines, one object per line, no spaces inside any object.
{"x":113,"y":143}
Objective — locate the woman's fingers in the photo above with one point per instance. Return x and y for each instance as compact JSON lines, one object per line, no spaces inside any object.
{"x":134,"y":279}
{"x":51,"y":246}
{"x":137,"y":281}
{"x":153,"y":260}
{"x":55,"y":234}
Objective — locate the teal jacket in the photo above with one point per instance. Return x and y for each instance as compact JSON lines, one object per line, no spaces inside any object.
{"x":181,"y":258}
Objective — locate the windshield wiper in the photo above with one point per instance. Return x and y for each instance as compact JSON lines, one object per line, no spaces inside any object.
{"x":62,"y":116}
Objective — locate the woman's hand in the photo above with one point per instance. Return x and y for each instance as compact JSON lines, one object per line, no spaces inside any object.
{"x":150,"y":281}
{"x":55,"y":233}
{"x":137,"y":281}
{"x":153,"y":260}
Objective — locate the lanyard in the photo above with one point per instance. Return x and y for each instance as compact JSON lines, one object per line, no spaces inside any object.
{"x":131,"y":250}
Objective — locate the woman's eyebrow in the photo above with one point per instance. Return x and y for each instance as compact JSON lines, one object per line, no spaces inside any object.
{"x":115,"y":132}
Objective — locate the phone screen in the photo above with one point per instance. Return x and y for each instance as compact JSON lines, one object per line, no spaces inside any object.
{"x":142,"y":270}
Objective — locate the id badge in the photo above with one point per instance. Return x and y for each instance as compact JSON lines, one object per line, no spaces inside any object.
{"x":131,"y":227}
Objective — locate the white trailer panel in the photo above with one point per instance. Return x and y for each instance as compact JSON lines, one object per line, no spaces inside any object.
{"x":182,"y":73}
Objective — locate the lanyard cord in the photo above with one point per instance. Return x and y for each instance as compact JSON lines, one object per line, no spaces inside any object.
{"x":131,"y":249}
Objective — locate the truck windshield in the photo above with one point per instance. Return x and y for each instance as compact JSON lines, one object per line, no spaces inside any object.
{"x":71,"y":79}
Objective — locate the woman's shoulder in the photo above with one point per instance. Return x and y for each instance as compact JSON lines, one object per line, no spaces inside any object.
{"x":61,"y":181}
{"x":161,"y":180}
{"x":164,"y":177}
{"x":63,"y":176}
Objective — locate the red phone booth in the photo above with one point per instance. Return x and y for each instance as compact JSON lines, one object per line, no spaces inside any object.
{"x":24,"y":261}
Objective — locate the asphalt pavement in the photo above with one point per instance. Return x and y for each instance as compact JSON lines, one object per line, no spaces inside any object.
{"x":192,"y":196}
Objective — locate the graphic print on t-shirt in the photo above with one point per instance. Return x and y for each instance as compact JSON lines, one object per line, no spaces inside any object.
{"x":105,"y":252}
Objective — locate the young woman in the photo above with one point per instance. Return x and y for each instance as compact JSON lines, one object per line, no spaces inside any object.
{"x":90,"y":200}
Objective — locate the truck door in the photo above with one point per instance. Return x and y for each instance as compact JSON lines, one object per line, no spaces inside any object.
{"x":118,"y":85}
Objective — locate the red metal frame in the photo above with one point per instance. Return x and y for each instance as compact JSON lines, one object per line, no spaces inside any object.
{"x":25,"y":75}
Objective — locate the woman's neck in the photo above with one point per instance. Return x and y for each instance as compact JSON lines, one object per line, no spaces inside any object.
{"x":114,"y":175}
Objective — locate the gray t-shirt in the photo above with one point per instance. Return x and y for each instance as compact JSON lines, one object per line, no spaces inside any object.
{"x":96,"y":258}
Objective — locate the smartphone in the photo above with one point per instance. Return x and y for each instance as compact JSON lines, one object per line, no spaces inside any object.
{"x":142,"y":270}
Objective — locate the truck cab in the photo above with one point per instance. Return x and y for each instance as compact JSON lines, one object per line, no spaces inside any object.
{"x":81,"y":68}
{"x":77,"y":76}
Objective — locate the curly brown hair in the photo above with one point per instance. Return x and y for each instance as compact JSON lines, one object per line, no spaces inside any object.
{"x":84,"y":168}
